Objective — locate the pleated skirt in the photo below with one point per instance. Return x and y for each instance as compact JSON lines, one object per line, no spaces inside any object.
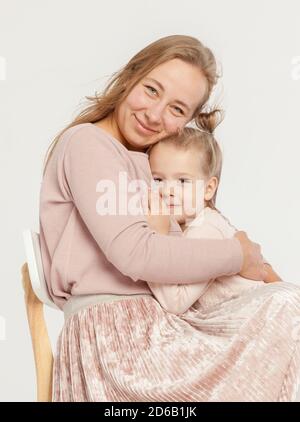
{"x":239,"y":347}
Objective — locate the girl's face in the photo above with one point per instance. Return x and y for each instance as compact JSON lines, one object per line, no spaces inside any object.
{"x":181,"y":183}
{"x":160,"y":104}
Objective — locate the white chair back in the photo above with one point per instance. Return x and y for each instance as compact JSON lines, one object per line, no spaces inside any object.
{"x":35,"y":267}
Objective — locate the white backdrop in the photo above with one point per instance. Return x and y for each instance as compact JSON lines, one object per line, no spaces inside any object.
{"x":52,"y":54}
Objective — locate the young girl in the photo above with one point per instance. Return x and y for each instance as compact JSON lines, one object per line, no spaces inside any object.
{"x":194,"y":172}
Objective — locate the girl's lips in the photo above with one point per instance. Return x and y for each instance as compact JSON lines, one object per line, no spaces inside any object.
{"x":142,"y":128}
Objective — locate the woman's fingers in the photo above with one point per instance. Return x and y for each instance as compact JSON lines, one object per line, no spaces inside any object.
{"x":253,"y":263}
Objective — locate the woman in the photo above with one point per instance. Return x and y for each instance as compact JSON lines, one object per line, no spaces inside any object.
{"x":117,"y":343}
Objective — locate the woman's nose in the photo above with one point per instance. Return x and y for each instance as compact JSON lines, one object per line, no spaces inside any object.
{"x":154,"y":114}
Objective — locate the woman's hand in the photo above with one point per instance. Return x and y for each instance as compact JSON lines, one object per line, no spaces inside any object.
{"x":270,"y":276}
{"x":253,"y":265}
{"x":158,"y":213}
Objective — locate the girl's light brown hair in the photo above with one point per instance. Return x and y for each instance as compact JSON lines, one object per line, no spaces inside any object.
{"x":201,"y":140}
{"x":186,"y":48}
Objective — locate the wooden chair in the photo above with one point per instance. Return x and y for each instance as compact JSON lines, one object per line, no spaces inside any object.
{"x":36,"y":296}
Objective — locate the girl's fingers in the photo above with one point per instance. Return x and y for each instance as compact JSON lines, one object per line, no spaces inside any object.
{"x":146,"y":202}
{"x":157,"y":205}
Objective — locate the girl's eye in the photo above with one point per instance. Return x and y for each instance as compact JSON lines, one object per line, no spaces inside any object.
{"x":184,"y":181}
{"x":151,"y":89}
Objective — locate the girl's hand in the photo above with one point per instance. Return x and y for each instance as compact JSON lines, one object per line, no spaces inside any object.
{"x":158,"y":215}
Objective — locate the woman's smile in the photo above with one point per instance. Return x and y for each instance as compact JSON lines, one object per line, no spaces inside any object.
{"x":142,"y":128}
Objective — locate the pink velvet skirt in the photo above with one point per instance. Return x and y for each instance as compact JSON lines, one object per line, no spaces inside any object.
{"x":230,"y":346}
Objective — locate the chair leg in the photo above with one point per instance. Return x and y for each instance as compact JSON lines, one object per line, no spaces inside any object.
{"x":41,"y":345}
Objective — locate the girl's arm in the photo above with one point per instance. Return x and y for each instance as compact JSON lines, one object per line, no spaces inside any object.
{"x":178,"y":298}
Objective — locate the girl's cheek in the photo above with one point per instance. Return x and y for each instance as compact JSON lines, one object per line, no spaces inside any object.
{"x":189,"y":202}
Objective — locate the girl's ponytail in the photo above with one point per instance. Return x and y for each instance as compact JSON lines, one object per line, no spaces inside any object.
{"x":208,"y":121}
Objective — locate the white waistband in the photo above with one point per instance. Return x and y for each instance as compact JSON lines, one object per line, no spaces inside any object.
{"x":74,"y":303}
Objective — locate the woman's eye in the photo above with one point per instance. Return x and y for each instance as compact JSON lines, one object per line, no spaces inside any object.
{"x":179,"y":110}
{"x":183,"y":181}
{"x":157,"y":179}
{"x":151,"y":89}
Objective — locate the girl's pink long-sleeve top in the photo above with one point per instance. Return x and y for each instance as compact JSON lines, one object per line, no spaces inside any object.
{"x":178,"y":298}
{"x":84,"y":252}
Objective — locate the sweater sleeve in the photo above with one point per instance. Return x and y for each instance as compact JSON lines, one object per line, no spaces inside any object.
{"x":178,"y":298}
{"x":126,"y":240}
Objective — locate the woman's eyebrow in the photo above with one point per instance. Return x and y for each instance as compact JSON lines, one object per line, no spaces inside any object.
{"x":158,"y":83}
{"x":163,"y":89}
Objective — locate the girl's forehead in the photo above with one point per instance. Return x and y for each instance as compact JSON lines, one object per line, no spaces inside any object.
{"x":171,"y":159}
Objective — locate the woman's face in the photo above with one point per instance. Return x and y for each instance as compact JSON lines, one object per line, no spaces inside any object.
{"x":160,"y":104}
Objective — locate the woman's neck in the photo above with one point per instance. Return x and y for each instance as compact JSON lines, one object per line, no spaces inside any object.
{"x":110,"y":125}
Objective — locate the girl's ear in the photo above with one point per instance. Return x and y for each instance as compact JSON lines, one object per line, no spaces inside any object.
{"x":210,"y":188}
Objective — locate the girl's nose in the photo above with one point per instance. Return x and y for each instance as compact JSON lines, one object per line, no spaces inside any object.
{"x":169,"y":189}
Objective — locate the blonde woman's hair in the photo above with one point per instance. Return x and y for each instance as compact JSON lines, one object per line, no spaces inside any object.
{"x":186,"y":48}
{"x":202,"y":140}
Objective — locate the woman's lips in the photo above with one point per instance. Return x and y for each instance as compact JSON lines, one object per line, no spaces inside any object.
{"x":142,"y":128}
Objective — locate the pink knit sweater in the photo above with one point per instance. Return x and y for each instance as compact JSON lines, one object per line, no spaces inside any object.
{"x":84,"y":252}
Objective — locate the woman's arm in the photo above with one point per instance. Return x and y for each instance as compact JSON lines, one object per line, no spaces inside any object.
{"x":127,"y":241}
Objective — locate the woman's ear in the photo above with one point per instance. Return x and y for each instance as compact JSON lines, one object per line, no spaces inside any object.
{"x":210,"y":188}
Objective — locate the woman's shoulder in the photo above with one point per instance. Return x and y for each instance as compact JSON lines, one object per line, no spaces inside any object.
{"x":85,"y":132}
{"x":86,"y":139}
